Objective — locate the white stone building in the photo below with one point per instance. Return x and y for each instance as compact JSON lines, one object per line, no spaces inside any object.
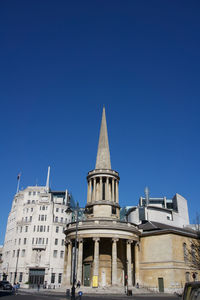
{"x":34,"y":243}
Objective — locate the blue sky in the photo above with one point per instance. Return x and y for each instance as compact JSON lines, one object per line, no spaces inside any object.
{"x":61,"y":61}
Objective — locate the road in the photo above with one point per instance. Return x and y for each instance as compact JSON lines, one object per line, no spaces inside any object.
{"x":52,"y":296}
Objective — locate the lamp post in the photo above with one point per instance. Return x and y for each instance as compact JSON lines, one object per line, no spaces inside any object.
{"x":73,"y":289}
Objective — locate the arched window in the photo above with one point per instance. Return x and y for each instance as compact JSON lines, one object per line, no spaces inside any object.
{"x":185,"y":252}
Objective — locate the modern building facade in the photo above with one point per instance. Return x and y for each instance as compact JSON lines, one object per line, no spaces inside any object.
{"x":173,"y":212}
{"x":34,"y":244}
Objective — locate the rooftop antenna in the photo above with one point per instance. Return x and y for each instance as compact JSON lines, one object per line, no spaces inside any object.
{"x":146,"y":191}
{"x":47,"y":182}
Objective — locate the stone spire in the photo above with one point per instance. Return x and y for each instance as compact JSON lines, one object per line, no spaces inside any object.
{"x":103,"y":153}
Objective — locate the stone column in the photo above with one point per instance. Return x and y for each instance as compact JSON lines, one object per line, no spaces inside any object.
{"x":128,"y":257}
{"x":114,"y":261}
{"x":137,"y":267}
{"x":88,"y":193}
{"x":96,"y":257}
{"x":100,"y":190}
{"x":65,"y":268}
{"x":69,"y":263}
{"x":94,"y":190}
{"x":90,"y":190}
{"x":80,"y":260}
{"x":107,"y":189}
{"x":113,"y":189}
{"x":117,"y":192}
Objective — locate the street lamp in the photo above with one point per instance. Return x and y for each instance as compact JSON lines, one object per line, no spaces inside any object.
{"x":76,"y":210}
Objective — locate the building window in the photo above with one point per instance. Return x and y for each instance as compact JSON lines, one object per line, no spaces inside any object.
{"x":56,"y":241}
{"x":57,"y":209}
{"x":57,"y":229}
{"x":34,"y":228}
{"x":24,"y":241}
{"x":31,"y":208}
{"x":56,"y":219}
{"x":28,"y":201}
{"x":63,"y":242}
{"x":20,"y":276}
{"x":45,"y":217}
{"x":193,"y":254}
{"x":23,"y":252}
{"x":62,"y":212}
{"x":187,"y":276}
{"x":13,"y":253}
{"x":46,"y":240}
{"x":185,"y":252}
{"x":19,"y":242}
{"x":43,"y":207}
{"x":26,"y":228}
{"x":41,"y":228}
{"x":59,"y":277}
{"x":40,"y":241}
{"x":55,"y":252}
{"x":34,"y":193}
{"x":44,"y":228}
{"x":53,"y":277}
{"x":47,"y":228}
{"x":61,"y":254}
{"x":38,"y":227}
{"x":32,"y":241}
{"x":61,"y":219}
{"x":113,"y":210}
{"x":29,"y":193}
{"x":20,"y":229}
{"x":30,"y":218}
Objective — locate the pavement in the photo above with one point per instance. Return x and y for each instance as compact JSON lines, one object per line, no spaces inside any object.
{"x":33,"y":294}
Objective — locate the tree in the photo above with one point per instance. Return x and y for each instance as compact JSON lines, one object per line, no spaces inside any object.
{"x":194,"y":250}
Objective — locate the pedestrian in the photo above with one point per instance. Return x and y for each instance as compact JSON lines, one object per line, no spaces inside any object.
{"x":78,"y":285}
{"x":18,"y":286}
{"x":38,"y":286}
{"x":14,"y":288}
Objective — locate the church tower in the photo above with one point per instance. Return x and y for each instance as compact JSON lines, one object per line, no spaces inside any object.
{"x":106,"y":245}
{"x":103,"y":194}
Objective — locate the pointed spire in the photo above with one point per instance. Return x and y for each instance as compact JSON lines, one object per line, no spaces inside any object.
{"x":103,"y":153}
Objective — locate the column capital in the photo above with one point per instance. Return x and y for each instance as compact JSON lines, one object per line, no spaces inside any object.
{"x":129,"y":241}
{"x":114,"y":240}
{"x":68,"y":241}
{"x":96,"y":239}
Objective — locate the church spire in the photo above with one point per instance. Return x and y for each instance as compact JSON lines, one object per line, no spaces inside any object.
{"x":103,"y":153}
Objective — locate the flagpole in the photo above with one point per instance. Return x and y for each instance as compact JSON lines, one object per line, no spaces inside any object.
{"x":18,"y":182}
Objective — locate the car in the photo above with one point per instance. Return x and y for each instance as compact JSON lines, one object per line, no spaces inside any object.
{"x":5,"y":285}
{"x":191,"y":291}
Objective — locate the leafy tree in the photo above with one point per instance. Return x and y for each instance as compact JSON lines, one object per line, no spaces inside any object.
{"x":194,"y":250}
